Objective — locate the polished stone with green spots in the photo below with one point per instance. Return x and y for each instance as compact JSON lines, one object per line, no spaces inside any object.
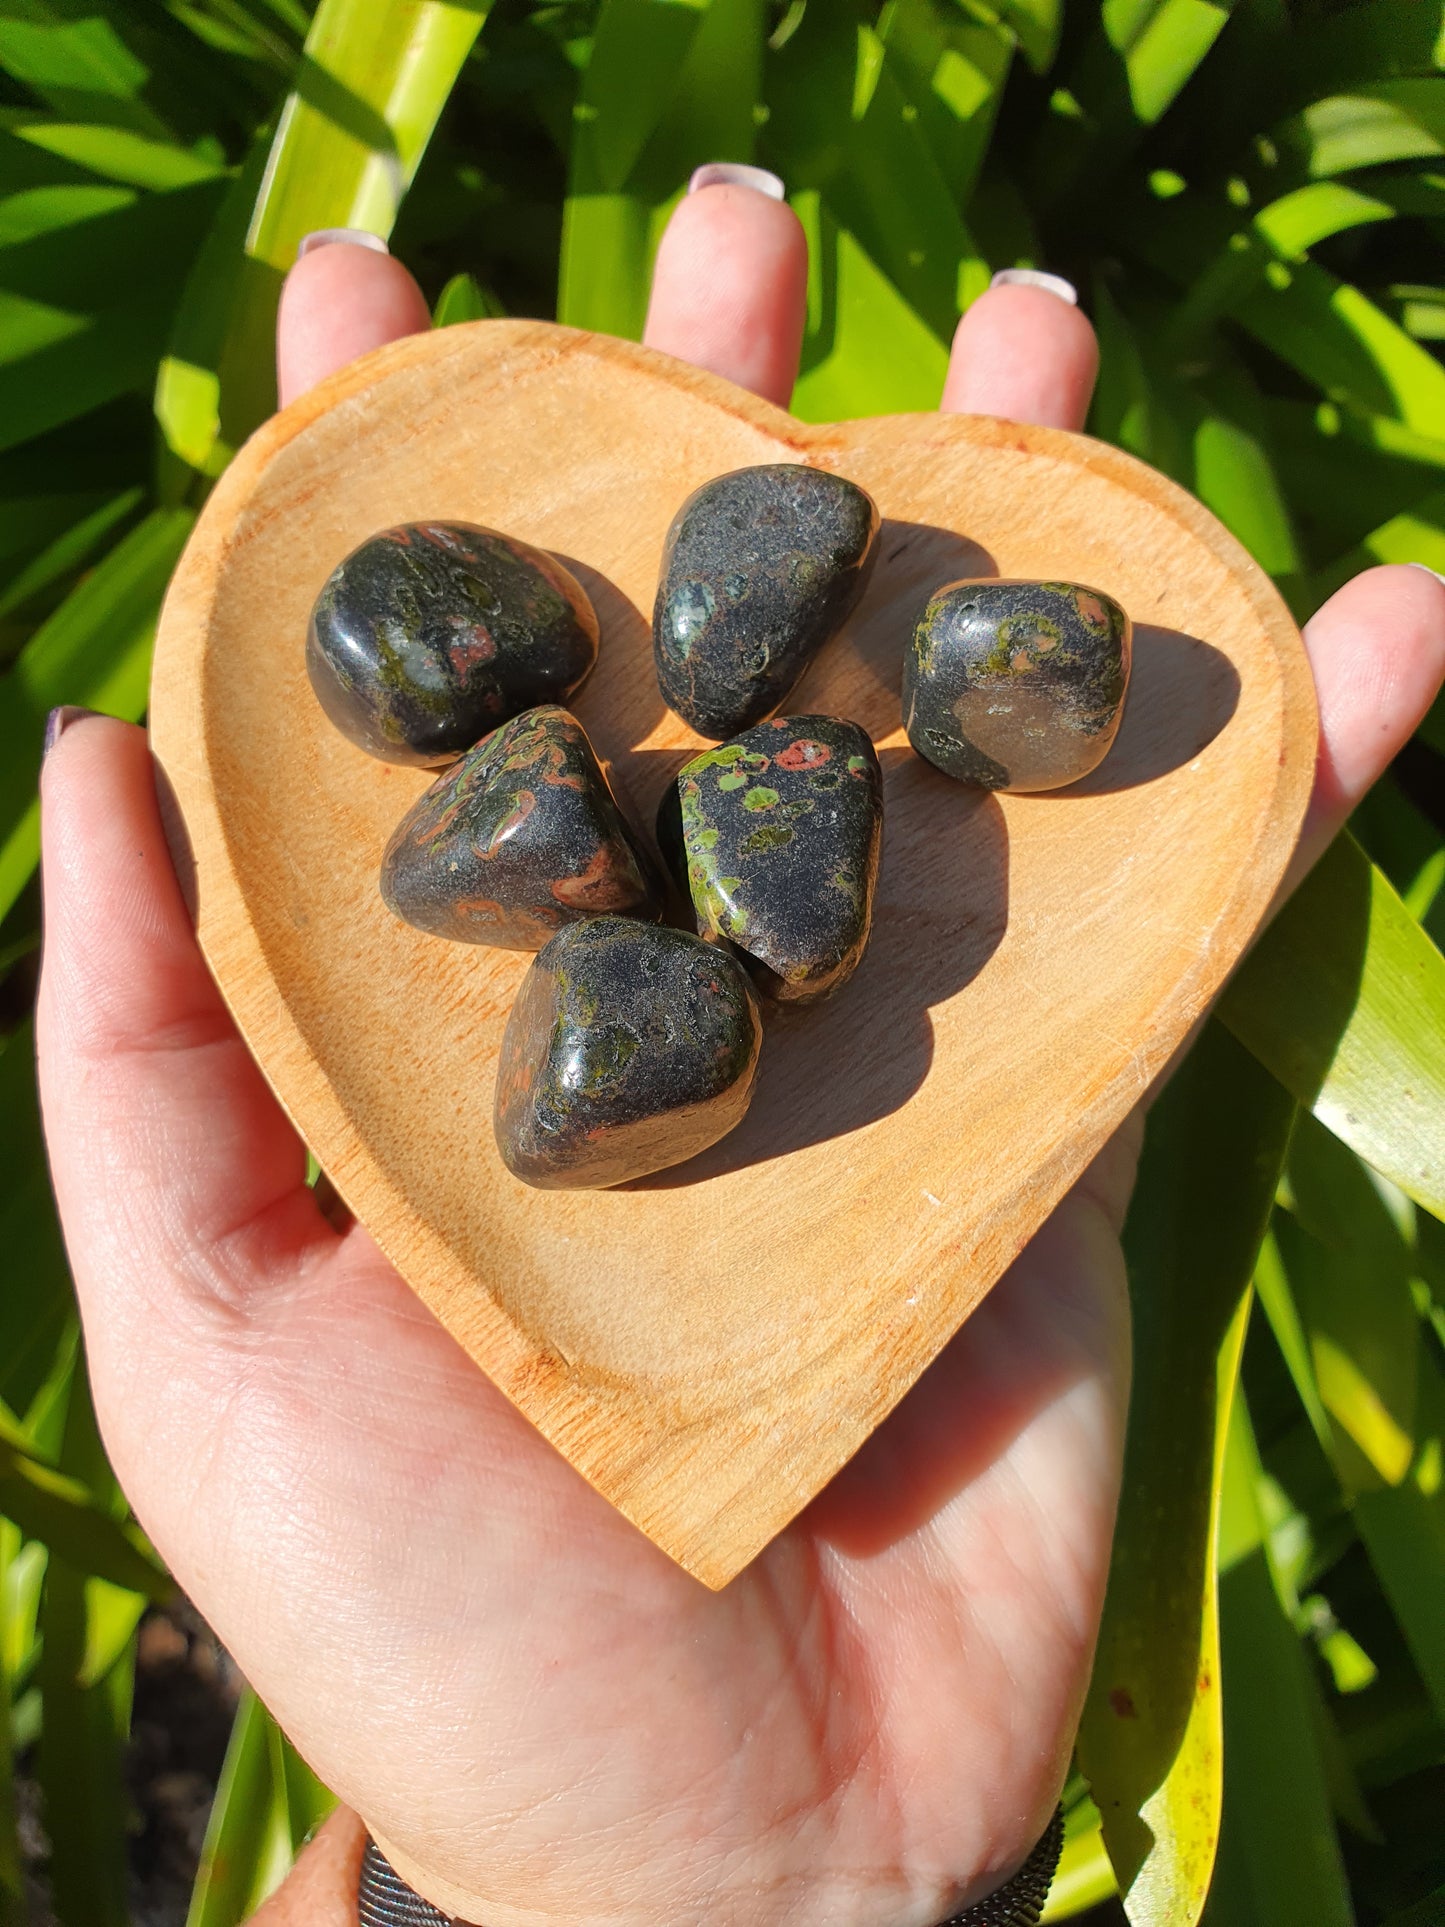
{"x":759,"y":569}
{"x":1016,"y":685}
{"x":519,"y":837}
{"x":781,"y":834}
{"x":431,"y":634}
{"x":630,"y":1047}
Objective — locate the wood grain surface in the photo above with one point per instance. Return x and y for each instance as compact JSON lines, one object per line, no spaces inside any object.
{"x":708,"y":1346}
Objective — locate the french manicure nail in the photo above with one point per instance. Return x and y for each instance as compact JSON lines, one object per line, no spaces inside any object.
{"x":356,"y":237}
{"x":738,"y":174}
{"x":1036,"y":278}
{"x":1428,"y":570}
{"x":58,"y":721}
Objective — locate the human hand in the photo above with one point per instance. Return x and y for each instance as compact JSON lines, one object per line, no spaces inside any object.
{"x":542,"y":1718}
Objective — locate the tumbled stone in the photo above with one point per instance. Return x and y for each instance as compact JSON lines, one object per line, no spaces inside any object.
{"x":781,"y":832}
{"x":519,"y":837}
{"x":1016,"y":685}
{"x":433,"y":633}
{"x":759,"y":569}
{"x":630,"y":1047}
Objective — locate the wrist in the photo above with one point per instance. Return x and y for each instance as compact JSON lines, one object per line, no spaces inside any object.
{"x":345,"y":1880}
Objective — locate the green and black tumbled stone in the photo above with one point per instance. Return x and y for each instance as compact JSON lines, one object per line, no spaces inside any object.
{"x":759,"y":569}
{"x":431,"y":634}
{"x":781,"y":833}
{"x":630,"y":1047}
{"x":1016,"y":685}
{"x":518,"y":838}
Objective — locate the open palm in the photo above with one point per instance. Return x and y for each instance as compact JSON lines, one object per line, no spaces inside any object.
{"x":541,"y":1717}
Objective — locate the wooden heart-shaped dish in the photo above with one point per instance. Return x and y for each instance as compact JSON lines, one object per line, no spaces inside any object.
{"x":708,"y":1346}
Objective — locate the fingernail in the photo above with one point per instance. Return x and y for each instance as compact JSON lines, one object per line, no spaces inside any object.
{"x":58,"y":721}
{"x":355,"y":237}
{"x":1428,"y":570}
{"x":1036,"y":278}
{"x":738,"y":174}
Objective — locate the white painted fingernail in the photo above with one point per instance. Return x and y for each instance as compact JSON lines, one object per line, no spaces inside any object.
{"x":356,"y":237}
{"x":1428,"y":570}
{"x":1036,"y":278}
{"x":738,"y":174}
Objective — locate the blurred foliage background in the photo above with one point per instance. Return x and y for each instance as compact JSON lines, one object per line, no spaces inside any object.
{"x":1251,"y":199}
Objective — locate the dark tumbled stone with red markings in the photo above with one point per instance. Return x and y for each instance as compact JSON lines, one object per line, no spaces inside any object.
{"x":433,"y":633}
{"x":1017,"y":685}
{"x":630,"y":1047}
{"x":759,"y":569}
{"x":521,"y":836}
{"x":781,"y":833}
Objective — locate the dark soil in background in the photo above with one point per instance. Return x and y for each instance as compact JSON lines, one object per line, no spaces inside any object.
{"x":186,"y":1690}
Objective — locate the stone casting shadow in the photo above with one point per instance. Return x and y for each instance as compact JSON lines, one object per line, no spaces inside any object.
{"x":914,"y":560}
{"x":620,"y":703}
{"x":1182,"y":693}
{"x":941,"y":912}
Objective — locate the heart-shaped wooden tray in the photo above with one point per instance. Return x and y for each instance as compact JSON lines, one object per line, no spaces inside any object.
{"x":710,"y":1345}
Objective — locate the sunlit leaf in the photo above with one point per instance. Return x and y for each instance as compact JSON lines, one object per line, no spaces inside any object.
{"x":1085,"y":1875}
{"x":266,"y":1803}
{"x":1348,"y":1276}
{"x":463,"y":300}
{"x":1279,"y":1857}
{"x":671,"y":84}
{"x":57,"y":1510}
{"x":1150,"y":1739}
{"x":1403,"y":1527}
{"x":86,"y":1720}
{"x":94,"y":651}
{"x":1343,"y":998}
{"x":371,"y":82}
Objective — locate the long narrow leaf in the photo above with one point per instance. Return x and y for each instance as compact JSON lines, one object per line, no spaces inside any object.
{"x":1150,"y":1738}
{"x":371,"y":82}
{"x":58,"y":1511}
{"x":266,"y":1802}
{"x":86,"y":1719}
{"x":95,"y":650}
{"x":1279,"y":1858}
{"x":1343,"y":998}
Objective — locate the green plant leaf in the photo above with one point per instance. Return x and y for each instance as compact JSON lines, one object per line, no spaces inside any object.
{"x":37,"y":1302}
{"x":1416,"y":534}
{"x":370,"y":84}
{"x":1403,"y":1527}
{"x":13,"y":1908}
{"x":1128,"y":73}
{"x":1343,"y":999}
{"x":86,"y":1720}
{"x":372,"y":79}
{"x":58,"y":1511}
{"x":857,"y":308}
{"x":1038,"y":24}
{"x":671,"y":84}
{"x":1401,"y":120}
{"x":950,"y":71}
{"x":1361,"y":44}
{"x":266,"y":1802}
{"x":94,"y":651}
{"x":1150,"y":1738}
{"x":1279,"y":1858}
{"x":463,"y":300}
{"x":114,"y":153}
{"x":1348,"y":1275}
{"x":1334,"y":336}
{"x":1084,"y":1876}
